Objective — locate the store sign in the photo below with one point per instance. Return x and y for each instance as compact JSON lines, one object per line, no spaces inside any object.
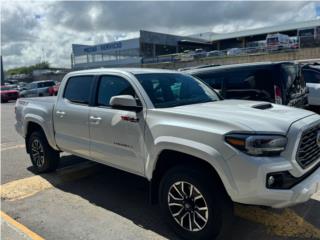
{"x":79,"y":49}
{"x":103,"y":47}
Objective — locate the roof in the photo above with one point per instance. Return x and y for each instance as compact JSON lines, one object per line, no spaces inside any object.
{"x":123,"y":70}
{"x":202,"y":70}
{"x":266,"y":30}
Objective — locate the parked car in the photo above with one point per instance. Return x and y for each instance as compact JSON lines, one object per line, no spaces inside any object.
{"x":186,"y":56}
{"x":199,"y":53}
{"x":198,"y":152}
{"x":21,"y":86}
{"x":53,"y":91}
{"x":37,"y":89}
{"x":235,"y":52}
{"x":215,"y":53}
{"x":8,"y":93}
{"x":279,"y":83}
{"x":311,"y":74}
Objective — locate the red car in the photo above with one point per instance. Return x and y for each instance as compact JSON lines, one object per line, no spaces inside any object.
{"x":53,"y":91}
{"x":8,"y":94}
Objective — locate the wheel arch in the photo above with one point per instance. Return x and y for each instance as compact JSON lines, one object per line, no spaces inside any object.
{"x":36,"y":124}
{"x":169,"y":158}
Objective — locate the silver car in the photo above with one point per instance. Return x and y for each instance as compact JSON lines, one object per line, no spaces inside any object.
{"x":37,"y":89}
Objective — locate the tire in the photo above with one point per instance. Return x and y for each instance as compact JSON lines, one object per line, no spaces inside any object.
{"x":48,"y":159}
{"x":219,"y":213}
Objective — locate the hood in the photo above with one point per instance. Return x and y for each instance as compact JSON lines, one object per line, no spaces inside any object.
{"x":252,"y":115}
{"x":8,"y":91}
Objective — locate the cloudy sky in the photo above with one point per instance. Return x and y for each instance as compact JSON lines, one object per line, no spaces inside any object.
{"x":32,"y":31}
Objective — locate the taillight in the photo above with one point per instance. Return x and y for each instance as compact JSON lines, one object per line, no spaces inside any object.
{"x":277,"y":94}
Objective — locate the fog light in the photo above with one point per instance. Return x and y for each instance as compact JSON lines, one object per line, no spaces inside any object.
{"x":270,"y":181}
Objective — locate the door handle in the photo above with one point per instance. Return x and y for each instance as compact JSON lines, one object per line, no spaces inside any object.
{"x":95,"y":120}
{"x":60,"y":113}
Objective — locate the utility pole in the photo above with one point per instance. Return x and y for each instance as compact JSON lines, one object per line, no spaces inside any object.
{"x":2,"y":72}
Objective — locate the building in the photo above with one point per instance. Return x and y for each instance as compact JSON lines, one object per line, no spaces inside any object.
{"x":132,"y":51}
{"x":308,"y":32}
{"x":150,"y":45}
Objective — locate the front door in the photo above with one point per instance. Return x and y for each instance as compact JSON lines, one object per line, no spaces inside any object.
{"x":116,"y":135}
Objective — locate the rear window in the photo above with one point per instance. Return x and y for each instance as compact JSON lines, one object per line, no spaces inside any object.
{"x":291,"y":76}
{"x":78,"y":89}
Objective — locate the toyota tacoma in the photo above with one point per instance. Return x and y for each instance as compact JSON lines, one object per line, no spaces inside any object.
{"x":199,"y":153}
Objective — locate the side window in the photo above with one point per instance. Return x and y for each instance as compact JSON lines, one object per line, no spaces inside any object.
{"x":110,"y":86}
{"x":78,"y":89}
{"x":241,"y":79}
{"x":33,"y":85}
{"x":311,"y":76}
{"x":213,"y":79}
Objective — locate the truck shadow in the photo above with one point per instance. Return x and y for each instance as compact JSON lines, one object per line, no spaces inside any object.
{"x":127,"y":195}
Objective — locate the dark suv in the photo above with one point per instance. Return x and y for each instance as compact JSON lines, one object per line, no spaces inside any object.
{"x":279,"y":82}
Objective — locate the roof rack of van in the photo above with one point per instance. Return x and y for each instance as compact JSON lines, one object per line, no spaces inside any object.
{"x":198,"y":67}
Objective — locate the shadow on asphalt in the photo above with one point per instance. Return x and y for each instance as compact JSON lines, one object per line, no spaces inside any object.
{"x":127,"y":195}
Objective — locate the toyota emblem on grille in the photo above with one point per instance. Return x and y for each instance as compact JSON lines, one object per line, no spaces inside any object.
{"x":318,"y":138}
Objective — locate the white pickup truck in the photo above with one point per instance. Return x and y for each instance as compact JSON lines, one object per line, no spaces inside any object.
{"x":199,"y":153}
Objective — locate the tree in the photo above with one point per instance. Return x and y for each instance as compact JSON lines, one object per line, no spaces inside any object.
{"x":28,"y":69}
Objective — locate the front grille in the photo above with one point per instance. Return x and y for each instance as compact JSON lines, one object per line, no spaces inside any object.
{"x":309,"y":150}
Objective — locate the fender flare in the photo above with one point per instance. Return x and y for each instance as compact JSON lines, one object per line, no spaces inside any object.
{"x":195,"y":149}
{"x":32,"y":118}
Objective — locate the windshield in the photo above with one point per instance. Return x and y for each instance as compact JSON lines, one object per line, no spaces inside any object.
{"x":175,"y":89}
{"x":6,"y":88}
{"x":272,"y":40}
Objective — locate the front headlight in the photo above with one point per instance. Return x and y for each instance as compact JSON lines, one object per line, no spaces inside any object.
{"x":257,"y":145}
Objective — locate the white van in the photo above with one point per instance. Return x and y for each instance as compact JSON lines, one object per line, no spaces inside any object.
{"x":277,"y":41}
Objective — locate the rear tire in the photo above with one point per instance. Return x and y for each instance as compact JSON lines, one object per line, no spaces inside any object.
{"x":209,"y":209}
{"x":43,"y":157}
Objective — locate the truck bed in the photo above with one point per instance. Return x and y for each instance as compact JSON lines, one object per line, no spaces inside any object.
{"x":40,"y":111}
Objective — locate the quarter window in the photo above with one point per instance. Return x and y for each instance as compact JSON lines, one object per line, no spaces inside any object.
{"x":110,"y":86}
{"x":78,"y":89}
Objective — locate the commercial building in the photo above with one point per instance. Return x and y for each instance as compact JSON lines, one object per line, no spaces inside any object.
{"x":149,"y":45}
{"x":308,"y":32}
{"x":132,"y":51}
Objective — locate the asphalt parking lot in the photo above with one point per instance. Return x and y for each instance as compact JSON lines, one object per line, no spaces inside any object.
{"x":84,"y":200}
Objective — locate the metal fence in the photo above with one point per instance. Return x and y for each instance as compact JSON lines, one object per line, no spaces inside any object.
{"x":193,"y":55}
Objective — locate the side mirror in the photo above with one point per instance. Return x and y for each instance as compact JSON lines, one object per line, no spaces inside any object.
{"x":125,"y":102}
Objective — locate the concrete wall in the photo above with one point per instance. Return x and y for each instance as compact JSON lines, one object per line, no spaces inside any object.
{"x":300,"y":54}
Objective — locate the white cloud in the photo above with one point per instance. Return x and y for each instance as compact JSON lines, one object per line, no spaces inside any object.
{"x":30,"y":26}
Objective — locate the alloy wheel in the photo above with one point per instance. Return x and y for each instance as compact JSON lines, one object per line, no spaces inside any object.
{"x":188,"y":206}
{"x":37,"y":153}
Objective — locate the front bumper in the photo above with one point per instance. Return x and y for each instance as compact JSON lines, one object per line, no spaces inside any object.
{"x":251,"y":184}
{"x":249,"y":173}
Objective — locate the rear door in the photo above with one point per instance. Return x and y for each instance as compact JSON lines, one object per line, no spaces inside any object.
{"x":71,"y":116}
{"x":117,"y":136}
{"x":32,"y":90}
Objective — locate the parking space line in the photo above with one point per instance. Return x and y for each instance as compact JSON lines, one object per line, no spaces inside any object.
{"x":287,"y":223}
{"x":26,"y":187}
{"x":20,"y":227}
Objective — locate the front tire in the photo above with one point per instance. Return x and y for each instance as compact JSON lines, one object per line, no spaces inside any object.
{"x":43,"y":157}
{"x":194,"y":205}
